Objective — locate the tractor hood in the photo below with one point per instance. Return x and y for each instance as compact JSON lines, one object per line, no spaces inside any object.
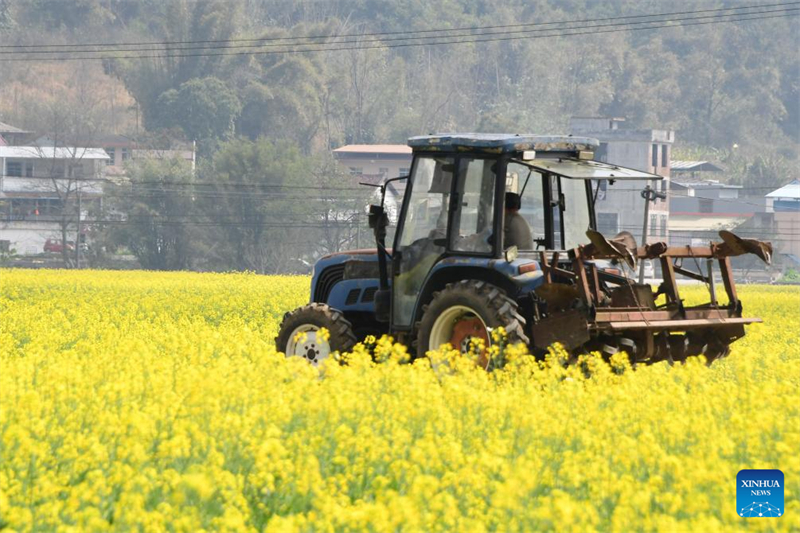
{"x":358,"y":252}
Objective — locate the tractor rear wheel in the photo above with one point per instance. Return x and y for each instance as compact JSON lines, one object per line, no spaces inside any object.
{"x":467,"y":310}
{"x":299,"y":335}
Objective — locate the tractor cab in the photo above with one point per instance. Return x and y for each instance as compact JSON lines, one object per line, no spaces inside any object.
{"x":455,"y":211}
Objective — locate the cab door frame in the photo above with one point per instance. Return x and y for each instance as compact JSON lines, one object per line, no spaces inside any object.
{"x":497,"y":224}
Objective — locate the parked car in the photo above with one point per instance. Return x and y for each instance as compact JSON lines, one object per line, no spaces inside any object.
{"x":55,"y":246}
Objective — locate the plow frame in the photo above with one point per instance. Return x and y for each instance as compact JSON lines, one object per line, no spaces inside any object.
{"x":651,"y":327}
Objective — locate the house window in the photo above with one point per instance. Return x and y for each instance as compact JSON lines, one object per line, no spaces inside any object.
{"x":654,"y":156}
{"x":383,"y":171}
{"x":405,"y":171}
{"x":29,"y":169}
{"x":653,"y":225}
{"x":663,"y":232}
{"x":665,"y":156}
{"x":125,"y":154}
{"x":76,"y":171}
{"x":111,"y":153}
{"x":14,"y":168}
{"x":608,"y":223}
{"x":356,"y":171}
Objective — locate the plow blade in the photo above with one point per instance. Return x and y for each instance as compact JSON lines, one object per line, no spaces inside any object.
{"x":680,"y":325}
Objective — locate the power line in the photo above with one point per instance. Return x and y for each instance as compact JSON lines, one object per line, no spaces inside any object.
{"x":403,"y":32}
{"x":350,"y":223}
{"x":337,"y":40}
{"x":180,"y":183}
{"x":222,"y":184}
{"x":226,"y":221}
{"x":567,"y":33}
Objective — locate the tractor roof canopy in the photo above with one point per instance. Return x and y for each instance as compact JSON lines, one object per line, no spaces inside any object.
{"x":587,"y":170}
{"x":565,"y":153}
{"x":500,"y":143}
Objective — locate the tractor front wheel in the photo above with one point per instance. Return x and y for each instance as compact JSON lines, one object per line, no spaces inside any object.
{"x":300,"y":335}
{"x":468,"y":310}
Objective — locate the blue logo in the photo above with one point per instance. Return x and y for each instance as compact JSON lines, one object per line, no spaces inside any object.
{"x":759,"y":493}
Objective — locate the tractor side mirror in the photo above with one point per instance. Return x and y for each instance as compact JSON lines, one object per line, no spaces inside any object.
{"x":377,"y":217}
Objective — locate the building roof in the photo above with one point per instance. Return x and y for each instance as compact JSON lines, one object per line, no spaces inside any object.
{"x":50,"y":152}
{"x":590,"y":117}
{"x":701,"y":184}
{"x":790,"y":191}
{"x":400,"y":149}
{"x":6,"y":128}
{"x":694,"y":166}
{"x":500,"y":142}
{"x":705,"y":221}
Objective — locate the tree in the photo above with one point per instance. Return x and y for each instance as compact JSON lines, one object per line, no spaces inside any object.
{"x":174,"y":21}
{"x":68,"y":168}
{"x":253,"y":192}
{"x":340,"y":209}
{"x":6,"y":18}
{"x":158,"y":220}
{"x":204,"y":108}
{"x":57,"y":15}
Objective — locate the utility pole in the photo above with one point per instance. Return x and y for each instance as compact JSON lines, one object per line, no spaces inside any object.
{"x":650,"y":195}
{"x":78,"y":236}
{"x":358,"y":229}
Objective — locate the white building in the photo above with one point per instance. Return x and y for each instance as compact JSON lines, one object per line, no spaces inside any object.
{"x":375,"y":161}
{"x":41,"y":187}
{"x":622,"y":207}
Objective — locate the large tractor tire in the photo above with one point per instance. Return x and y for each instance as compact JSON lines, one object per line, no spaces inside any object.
{"x":465,"y":310}
{"x":299,"y":333}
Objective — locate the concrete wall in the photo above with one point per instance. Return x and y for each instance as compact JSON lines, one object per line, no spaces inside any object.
{"x":788,"y":228}
{"x":391,"y":167}
{"x":623,"y":200}
{"x":28,"y":237}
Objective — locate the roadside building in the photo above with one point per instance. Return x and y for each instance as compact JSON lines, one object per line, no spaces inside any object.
{"x":44,"y":184}
{"x":784,"y":205}
{"x":12,"y":136}
{"x":699,"y":209}
{"x":374,"y":162}
{"x":122,"y":149}
{"x":41,"y":187}
{"x":620,"y":206}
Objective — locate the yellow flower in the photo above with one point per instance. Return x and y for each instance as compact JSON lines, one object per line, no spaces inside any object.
{"x":145,"y":401}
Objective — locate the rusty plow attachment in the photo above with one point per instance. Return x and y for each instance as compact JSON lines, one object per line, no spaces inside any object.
{"x":609,"y":312}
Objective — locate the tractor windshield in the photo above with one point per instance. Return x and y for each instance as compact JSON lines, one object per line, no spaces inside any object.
{"x":564,"y":201}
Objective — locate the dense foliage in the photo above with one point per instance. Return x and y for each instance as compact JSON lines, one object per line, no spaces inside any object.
{"x":264,"y":122}
{"x":717,"y":85}
{"x":156,"y":402}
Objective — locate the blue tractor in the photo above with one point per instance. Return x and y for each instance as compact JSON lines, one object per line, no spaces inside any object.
{"x":500,"y":230}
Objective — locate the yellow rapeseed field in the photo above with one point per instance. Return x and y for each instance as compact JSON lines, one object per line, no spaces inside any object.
{"x":139,"y":401}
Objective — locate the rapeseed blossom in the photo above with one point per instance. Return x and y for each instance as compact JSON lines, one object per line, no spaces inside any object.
{"x":157,"y":402}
